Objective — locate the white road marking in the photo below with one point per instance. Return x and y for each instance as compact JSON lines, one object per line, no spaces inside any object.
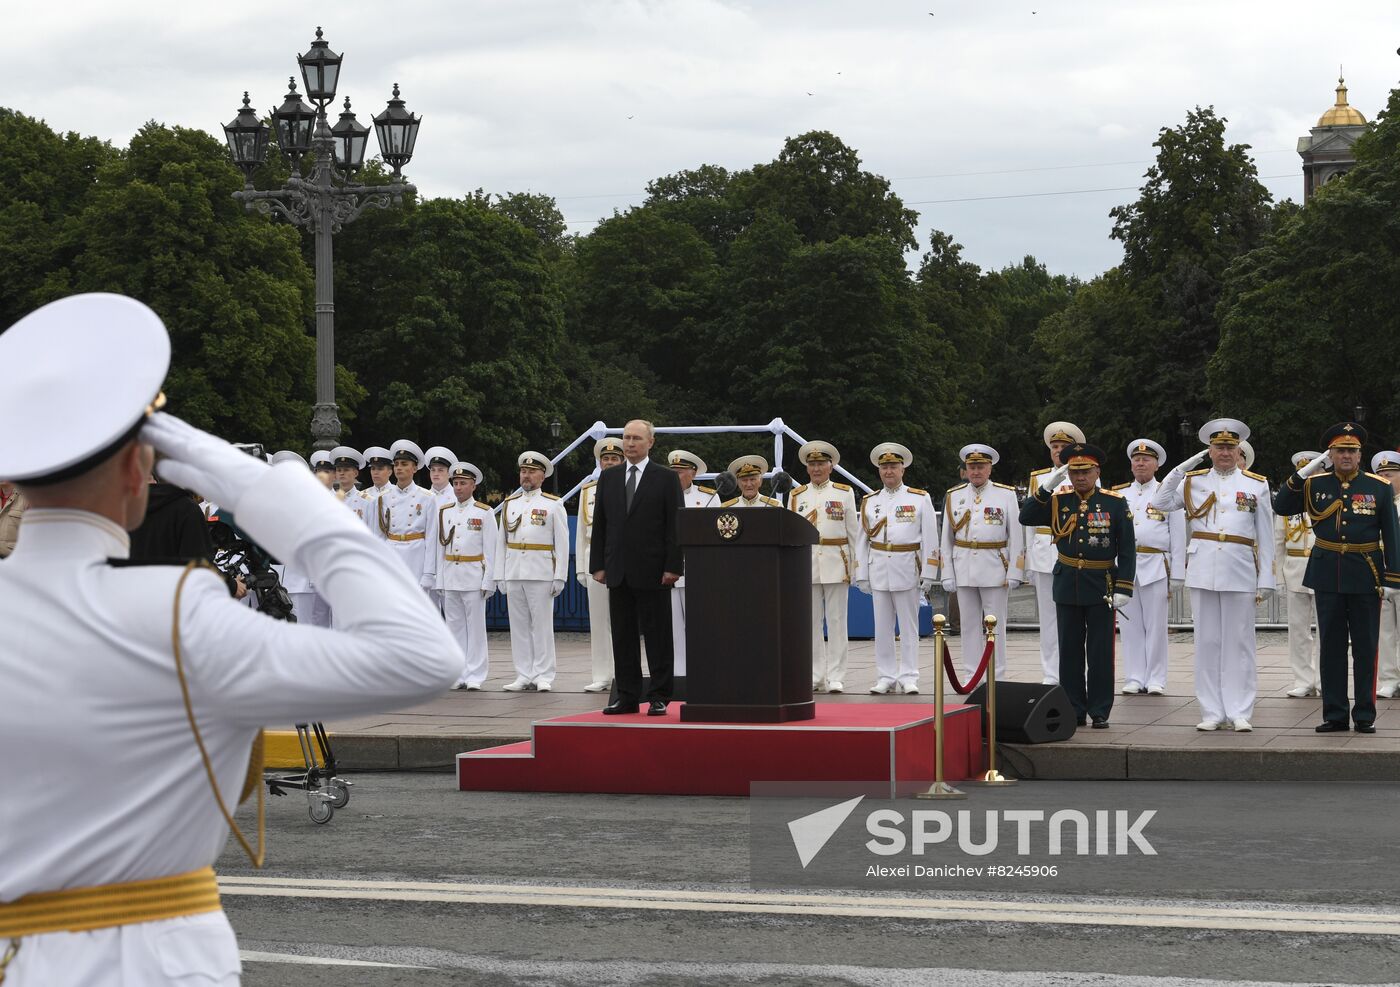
{"x":1117,"y":913}
{"x":253,"y":956}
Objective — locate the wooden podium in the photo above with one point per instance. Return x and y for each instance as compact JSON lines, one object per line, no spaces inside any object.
{"x":748,"y":626}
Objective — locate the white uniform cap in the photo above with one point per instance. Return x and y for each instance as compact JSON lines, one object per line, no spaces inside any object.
{"x":608,"y":443}
{"x":749,"y":466}
{"x":1146,"y":447}
{"x":1063,"y":432}
{"x":1385,"y":462}
{"x":287,"y":456}
{"x":679,"y":457}
{"x":891,"y":452}
{"x":408,"y":449}
{"x":346,"y":456}
{"x":976,"y":452}
{"x":536,"y":460}
{"x":379,"y":453}
{"x":820,"y":452}
{"x":439,"y":456}
{"x":320,"y":459}
{"x":1247,"y":451}
{"x":111,"y":350}
{"x":1226,"y":431}
{"x":464,"y":470}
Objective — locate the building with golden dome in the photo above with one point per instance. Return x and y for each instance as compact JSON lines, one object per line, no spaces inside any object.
{"x":1326,"y":151}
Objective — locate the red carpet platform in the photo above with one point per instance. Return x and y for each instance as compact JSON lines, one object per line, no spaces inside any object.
{"x":660,"y":755}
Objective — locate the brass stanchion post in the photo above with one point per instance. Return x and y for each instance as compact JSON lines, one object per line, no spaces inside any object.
{"x":940,"y":789}
{"x":993,"y":776}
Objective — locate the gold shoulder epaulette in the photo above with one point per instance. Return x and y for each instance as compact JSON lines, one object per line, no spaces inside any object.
{"x":1004,"y":486}
{"x":1377,"y":477}
{"x":730,"y":503}
{"x":706,"y":490}
{"x":1111,"y":493}
{"x":1041,"y":472}
{"x":868,"y":496}
{"x":772,"y":503}
{"x":1122,"y":486}
{"x":511,"y":497}
{"x":958,"y":487}
{"x":1198,"y":472}
{"x":798,"y":490}
{"x":841,"y":486}
{"x":1258,"y":476}
{"x":590,"y":483}
{"x":550,"y":495}
{"x":917,"y":492}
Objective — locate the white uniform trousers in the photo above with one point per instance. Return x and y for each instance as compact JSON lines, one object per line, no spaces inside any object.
{"x":1049,"y":629}
{"x":1302,"y":642}
{"x":1226,"y":676}
{"x":436,"y":596}
{"x":1143,"y":631}
{"x":677,"y":630}
{"x":974,"y":603}
{"x":465,"y":612}
{"x":1388,"y":659}
{"x":829,"y":655}
{"x":904,"y":604}
{"x":599,"y":631}
{"x":530,"y":607}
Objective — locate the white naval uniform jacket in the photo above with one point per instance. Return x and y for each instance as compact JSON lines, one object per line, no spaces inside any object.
{"x":534,"y":538}
{"x":696,"y":496}
{"x":583,"y":528}
{"x":1161,"y":533}
{"x":102,"y":782}
{"x":462,"y":546}
{"x":897,"y":543}
{"x":1292,"y":548}
{"x":1041,"y":553}
{"x":360,"y":505}
{"x":983,"y":539}
{"x":1236,"y":505}
{"x":832,"y":508}
{"x":446,"y":497}
{"x":401,"y":518}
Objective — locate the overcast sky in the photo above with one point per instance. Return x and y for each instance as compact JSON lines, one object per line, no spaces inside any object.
{"x":975,"y":113}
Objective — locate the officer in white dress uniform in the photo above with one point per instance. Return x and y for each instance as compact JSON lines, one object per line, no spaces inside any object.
{"x":110,"y":795}
{"x":983,"y":552}
{"x":381,"y":475}
{"x":348,"y":464}
{"x":896,"y":561}
{"x":1386,"y":465}
{"x":324,"y":467}
{"x":686,"y":465}
{"x":401,"y":513}
{"x":1041,"y":553}
{"x":1229,"y":565}
{"x":440,"y":460}
{"x":461,"y":561}
{"x":1161,"y":564}
{"x":831,"y":507}
{"x":607,"y":451}
{"x":294,"y":580}
{"x":532,"y":565}
{"x":1292,"y":549}
{"x":749,"y":470}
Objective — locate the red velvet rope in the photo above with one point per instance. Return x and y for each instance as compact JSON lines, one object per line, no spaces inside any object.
{"x":958,"y":687}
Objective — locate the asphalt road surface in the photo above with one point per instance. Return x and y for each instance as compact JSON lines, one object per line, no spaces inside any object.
{"x":416,"y":883}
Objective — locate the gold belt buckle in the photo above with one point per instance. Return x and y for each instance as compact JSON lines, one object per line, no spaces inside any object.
{"x":1222,"y":536}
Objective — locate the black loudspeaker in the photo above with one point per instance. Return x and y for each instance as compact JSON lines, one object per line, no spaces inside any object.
{"x":1028,"y":713}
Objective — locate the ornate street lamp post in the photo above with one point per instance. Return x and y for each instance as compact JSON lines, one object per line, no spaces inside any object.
{"x":329,"y":198}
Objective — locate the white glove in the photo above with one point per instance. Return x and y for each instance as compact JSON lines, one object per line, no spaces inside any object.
{"x":199,"y":461}
{"x":1265,"y":592}
{"x":1316,"y":466}
{"x":1012,"y":583}
{"x":1191,"y":463}
{"x":1054,"y":478}
{"x":1121,"y":600}
{"x":926,"y":586}
{"x":488,"y":591}
{"x":501,"y":587}
{"x":950,"y":585}
{"x":428,"y":581}
{"x":557,"y":587}
{"x":583,"y":579}
{"x":863,"y":585}
{"x":1390,"y":592}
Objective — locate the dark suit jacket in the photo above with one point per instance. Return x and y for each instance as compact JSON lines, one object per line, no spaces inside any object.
{"x":637,"y":546}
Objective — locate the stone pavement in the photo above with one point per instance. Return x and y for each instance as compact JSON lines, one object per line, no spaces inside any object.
{"x":1150,"y":737}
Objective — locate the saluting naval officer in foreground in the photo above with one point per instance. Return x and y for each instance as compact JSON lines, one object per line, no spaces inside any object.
{"x":113,"y":817}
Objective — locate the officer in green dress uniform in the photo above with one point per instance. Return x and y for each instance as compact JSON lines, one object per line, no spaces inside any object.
{"x":1094,"y":569}
{"x":1355,"y":561}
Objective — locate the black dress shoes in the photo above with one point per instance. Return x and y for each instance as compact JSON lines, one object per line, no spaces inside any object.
{"x":1365,"y":728}
{"x":1100,"y":723}
{"x":1332,"y":726}
{"x":1081,"y":720}
{"x":656,"y":708}
{"x":620,"y":707}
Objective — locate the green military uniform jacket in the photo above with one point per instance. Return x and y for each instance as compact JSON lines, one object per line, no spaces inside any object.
{"x":1358,"y":536}
{"x":1094,"y":538}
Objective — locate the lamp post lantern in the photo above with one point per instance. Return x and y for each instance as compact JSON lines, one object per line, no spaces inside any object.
{"x":330,"y":197}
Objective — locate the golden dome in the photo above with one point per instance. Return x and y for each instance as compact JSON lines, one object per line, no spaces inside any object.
{"x":1343,"y":114}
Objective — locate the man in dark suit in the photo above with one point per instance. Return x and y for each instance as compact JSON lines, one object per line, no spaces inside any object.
{"x":636,"y":552}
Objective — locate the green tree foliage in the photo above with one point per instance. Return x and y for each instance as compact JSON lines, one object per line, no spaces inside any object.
{"x":1308,"y":319}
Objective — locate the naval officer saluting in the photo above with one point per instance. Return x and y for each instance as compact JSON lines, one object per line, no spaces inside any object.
{"x":113,"y":819}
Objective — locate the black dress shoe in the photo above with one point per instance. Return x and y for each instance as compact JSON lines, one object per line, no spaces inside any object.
{"x":620,"y":707}
{"x":1100,"y":723}
{"x":1081,"y":720}
{"x":656,"y":708}
{"x":1331,"y":726}
{"x":1365,"y":728}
